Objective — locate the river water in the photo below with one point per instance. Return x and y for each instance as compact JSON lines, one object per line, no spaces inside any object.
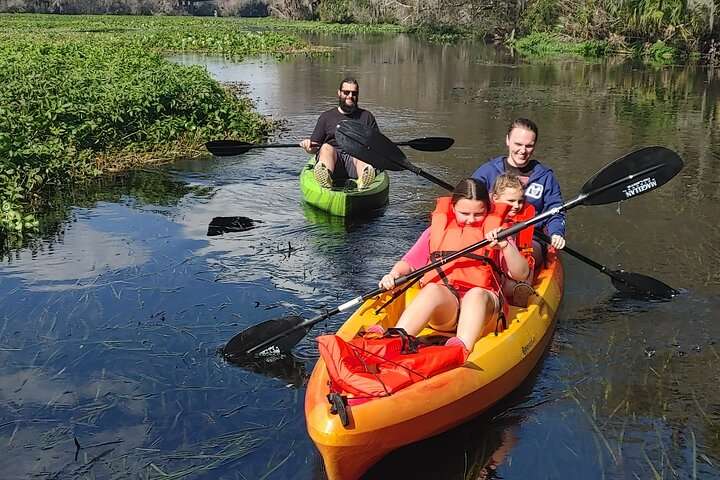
{"x":111,"y":321}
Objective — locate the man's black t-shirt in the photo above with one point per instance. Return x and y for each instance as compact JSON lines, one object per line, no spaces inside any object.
{"x":328,"y":121}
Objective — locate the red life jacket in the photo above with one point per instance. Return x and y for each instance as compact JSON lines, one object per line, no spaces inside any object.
{"x":524,"y":238}
{"x":476,"y":269}
{"x":366,"y":368}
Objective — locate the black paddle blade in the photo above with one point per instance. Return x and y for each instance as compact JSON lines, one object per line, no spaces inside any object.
{"x":637,"y":284}
{"x":244,"y":341}
{"x":634,"y":174}
{"x":369,"y":145}
{"x":228,"y":148}
{"x":429,"y":144}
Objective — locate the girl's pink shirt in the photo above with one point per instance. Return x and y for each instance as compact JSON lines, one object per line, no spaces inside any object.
{"x":419,"y":254}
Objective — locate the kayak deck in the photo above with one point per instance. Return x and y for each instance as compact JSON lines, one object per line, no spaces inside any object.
{"x":496,"y":366}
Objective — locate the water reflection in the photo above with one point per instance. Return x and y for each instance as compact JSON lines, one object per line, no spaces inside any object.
{"x":477,"y":450}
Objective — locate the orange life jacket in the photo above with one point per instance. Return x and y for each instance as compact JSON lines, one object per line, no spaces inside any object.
{"x":476,"y":269}
{"x":524,"y":238}
{"x":367,"y":368}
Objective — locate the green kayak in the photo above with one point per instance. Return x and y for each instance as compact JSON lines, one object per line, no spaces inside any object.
{"x":344,"y":199}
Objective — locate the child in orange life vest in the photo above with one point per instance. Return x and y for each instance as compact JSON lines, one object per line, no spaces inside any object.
{"x":465,"y":294}
{"x":510,"y":189}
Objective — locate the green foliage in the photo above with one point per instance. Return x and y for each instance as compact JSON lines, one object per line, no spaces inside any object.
{"x":541,"y":16}
{"x":75,"y":102}
{"x":630,"y":24}
{"x":438,"y":32}
{"x":548,"y":45}
{"x":655,"y":19}
{"x":660,"y":52}
{"x":335,"y":11}
{"x":87,"y":93}
{"x":593,"y":49}
{"x":380,"y":26}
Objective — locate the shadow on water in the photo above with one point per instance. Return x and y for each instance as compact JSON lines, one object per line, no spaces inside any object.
{"x":619,"y":304}
{"x":474,"y":450}
{"x":137,"y":188}
{"x":220,"y":225}
{"x":285,"y":367}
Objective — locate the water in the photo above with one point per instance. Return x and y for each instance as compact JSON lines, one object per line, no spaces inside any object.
{"x":110,"y":323}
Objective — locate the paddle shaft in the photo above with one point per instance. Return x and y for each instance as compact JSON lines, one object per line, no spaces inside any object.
{"x":424,"y":174}
{"x":276,"y":145}
{"x":574,"y":253}
{"x":236,"y":147}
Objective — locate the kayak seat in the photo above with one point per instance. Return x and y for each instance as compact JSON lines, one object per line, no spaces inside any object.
{"x":432,"y":339}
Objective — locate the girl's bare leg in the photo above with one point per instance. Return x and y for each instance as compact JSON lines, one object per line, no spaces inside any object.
{"x":477,"y":307}
{"x":434,"y":302}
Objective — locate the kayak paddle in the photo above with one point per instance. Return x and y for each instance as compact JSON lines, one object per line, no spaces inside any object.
{"x":228,"y":148}
{"x":627,"y":177}
{"x":625,"y":282}
{"x":355,"y":138}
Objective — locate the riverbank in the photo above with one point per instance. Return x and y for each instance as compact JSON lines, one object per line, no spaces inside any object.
{"x":87,"y":95}
{"x":654,"y":32}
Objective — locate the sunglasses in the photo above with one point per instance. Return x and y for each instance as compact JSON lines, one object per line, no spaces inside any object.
{"x":347,"y":93}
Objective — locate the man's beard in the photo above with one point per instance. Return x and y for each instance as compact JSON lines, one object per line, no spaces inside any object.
{"x":347,"y":109}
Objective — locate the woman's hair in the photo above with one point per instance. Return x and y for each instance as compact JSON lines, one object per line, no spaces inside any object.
{"x":471,"y":189}
{"x":525,"y":123}
{"x":507,"y":180}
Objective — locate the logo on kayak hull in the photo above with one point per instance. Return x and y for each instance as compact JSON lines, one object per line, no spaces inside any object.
{"x":526,"y":348}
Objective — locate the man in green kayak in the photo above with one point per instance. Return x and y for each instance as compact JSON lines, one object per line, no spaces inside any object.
{"x":322,"y":142}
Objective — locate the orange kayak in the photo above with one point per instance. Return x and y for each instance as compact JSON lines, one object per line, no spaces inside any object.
{"x":496,"y":366}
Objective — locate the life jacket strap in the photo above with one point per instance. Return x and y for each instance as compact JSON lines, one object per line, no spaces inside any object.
{"x":500,"y":319}
{"x":409,"y":343}
{"x":435,"y":256}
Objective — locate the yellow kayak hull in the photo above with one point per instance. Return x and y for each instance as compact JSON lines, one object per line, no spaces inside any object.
{"x":496,"y":366}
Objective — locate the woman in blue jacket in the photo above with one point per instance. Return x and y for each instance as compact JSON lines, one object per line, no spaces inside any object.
{"x":542,"y":189}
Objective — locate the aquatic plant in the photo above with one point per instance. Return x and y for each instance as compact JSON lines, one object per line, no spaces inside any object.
{"x":74,"y":109}
{"x":545,"y":44}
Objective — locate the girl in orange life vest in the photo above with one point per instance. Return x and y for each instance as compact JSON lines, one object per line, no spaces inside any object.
{"x":467,"y":293}
{"x":510,"y":189}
